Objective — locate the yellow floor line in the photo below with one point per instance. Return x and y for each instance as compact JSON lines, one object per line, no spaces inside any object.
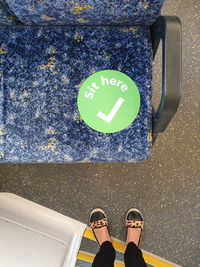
{"x":148,"y":257}
{"x":85,"y":256}
{"x":88,"y":234}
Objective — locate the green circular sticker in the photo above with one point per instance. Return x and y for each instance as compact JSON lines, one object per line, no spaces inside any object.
{"x":108,"y":101}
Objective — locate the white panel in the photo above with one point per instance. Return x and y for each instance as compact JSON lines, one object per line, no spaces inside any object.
{"x":34,"y":236}
{"x":22,"y":247}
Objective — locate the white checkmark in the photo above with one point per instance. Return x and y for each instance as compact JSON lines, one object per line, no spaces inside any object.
{"x":108,"y":118}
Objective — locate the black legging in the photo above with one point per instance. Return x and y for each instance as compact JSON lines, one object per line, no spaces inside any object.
{"x":106,"y":256}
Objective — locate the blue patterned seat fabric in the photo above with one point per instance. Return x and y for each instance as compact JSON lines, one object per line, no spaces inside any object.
{"x":91,"y":12}
{"x":41,"y":71}
{"x":6,"y":15}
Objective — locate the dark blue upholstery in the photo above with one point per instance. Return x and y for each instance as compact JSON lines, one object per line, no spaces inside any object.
{"x":42,"y":69}
{"x":92,"y":12}
{"x":6,"y":15}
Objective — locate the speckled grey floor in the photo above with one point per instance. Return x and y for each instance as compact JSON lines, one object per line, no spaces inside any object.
{"x":165,"y":187}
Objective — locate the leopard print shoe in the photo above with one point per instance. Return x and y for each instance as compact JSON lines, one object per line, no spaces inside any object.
{"x":134,"y":219}
{"x":98,"y":219}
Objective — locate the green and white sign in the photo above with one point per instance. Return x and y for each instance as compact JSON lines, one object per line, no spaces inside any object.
{"x":108,"y":101}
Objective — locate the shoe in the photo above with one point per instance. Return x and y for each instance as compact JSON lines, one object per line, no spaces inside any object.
{"x":134,"y":219}
{"x":98,"y":219}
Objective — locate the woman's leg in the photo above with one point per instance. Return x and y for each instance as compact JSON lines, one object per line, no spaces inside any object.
{"x":134,"y":224}
{"x":99,"y":225}
{"x":106,"y":256}
{"x":133,"y":256}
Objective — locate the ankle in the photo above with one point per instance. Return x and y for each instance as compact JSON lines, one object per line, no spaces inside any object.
{"x":133,"y":235}
{"x":102,"y":235}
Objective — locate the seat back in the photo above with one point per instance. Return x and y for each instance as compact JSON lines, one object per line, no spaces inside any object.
{"x":86,"y":12}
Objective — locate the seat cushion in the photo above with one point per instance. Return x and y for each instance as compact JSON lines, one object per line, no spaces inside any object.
{"x":91,"y":12}
{"x":42,"y":69}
